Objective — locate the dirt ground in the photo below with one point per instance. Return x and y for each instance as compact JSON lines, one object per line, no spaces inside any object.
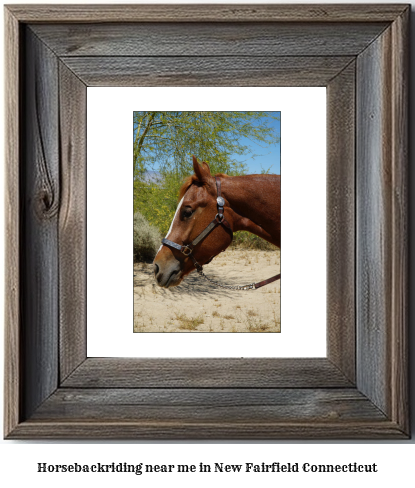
{"x":199,"y":306}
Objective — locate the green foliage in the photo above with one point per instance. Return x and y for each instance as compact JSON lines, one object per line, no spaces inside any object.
{"x":167,"y":140}
{"x":146,"y":240}
{"x":158,"y":202}
{"x":246,"y":240}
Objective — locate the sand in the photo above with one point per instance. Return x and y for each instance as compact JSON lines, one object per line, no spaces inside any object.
{"x":199,"y":306}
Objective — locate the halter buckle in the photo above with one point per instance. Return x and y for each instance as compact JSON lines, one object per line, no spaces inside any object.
{"x":186,"y":250}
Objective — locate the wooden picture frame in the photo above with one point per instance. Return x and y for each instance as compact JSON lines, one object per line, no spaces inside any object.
{"x":360,"y":53}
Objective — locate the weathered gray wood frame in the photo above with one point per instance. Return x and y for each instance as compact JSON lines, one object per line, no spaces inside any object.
{"x":359,"y":52}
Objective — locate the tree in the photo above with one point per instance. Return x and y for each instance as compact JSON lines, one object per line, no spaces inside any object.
{"x":164,"y":143}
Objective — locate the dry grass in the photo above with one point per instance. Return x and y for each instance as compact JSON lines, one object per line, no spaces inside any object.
{"x":188,"y":323}
{"x":258,"y":326}
{"x":255,"y":323}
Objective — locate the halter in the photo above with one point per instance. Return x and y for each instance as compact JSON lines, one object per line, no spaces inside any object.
{"x":187,"y":249}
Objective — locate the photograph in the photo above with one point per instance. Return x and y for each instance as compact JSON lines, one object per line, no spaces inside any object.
{"x":207,"y":221}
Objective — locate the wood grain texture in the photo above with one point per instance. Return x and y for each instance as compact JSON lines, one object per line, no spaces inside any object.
{"x":72,"y":222}
{"x":206,"y":13}
{"x":400,"y":262}
{"x":40,"y":205}
{"x":189,"y":430}
{"x":206,"y":373}
{"x":374,"y":224}
{"x":207,"y":71}
{"x":230,"y":39}
{"x":13,"y":380}
{"x":341,"y":236}
{"x":209,"y":405}
{"x":382,"y":246}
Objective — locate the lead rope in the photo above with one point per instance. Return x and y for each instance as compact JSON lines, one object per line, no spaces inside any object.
{"x":250,"y":286}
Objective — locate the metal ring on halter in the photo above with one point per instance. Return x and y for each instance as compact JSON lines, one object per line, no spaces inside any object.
{"x":219,"y":218}
{"x":186,"y":250}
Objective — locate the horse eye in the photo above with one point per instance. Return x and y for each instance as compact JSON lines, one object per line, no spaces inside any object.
{"x":187,"y":212}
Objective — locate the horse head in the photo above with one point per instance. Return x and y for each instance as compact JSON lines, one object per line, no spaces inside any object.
{"x":196,"y":210}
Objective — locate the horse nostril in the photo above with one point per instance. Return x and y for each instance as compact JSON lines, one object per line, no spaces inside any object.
{"x":156,"y":269}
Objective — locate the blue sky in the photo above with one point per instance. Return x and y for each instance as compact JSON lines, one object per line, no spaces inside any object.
{"x":266,"y":156}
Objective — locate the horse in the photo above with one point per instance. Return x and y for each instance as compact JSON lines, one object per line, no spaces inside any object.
{"x":210,"y":209}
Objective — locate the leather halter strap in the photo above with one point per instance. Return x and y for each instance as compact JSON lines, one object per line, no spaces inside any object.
{"x":187,"y":249}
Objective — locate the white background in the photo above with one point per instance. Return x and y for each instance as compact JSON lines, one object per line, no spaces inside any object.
{"x":18,"y":460}
{"x":110,"y":212}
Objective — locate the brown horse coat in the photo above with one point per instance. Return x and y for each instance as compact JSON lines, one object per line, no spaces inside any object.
{"x":252,"y":203}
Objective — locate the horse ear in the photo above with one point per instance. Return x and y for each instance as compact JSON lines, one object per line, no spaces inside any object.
{"x":201,"y":171}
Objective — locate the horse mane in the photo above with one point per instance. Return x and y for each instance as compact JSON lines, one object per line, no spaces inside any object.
{"x":188,"y":182}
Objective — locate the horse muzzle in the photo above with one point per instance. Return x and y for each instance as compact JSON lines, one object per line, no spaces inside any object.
{"x":167,"y":275}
